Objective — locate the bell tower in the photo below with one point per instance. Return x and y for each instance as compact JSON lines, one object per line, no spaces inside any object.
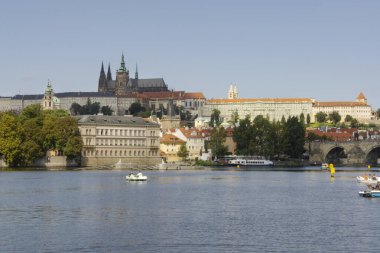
{"x":122,"y":78}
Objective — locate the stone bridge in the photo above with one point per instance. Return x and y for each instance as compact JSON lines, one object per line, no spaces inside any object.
{"x":345,"y":152}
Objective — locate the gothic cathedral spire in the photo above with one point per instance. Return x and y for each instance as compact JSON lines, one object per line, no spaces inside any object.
{"x":102,"y":85}
{"x":122,"y":64}
{"x":136,"y":73}
{"x":109,"y":75}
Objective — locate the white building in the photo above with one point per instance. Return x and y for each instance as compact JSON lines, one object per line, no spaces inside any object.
{"x":358,"y":109}
{"x":109,"y":139}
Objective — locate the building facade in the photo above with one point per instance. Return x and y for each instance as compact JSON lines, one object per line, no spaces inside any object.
{"x":110,"y":139}
{"x":358,"y":109}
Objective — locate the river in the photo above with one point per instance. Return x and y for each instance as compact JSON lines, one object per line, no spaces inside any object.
{"x":186,"y":211}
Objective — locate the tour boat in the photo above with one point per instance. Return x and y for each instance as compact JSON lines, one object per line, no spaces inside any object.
{"x":368,"y":179}
{"x":136,"y":177}
{"x":249,"y":161}
{"x":370,"y":194}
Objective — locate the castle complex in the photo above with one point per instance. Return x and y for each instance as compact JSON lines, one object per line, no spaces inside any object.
{"x":124,"y":85}
{"x":118,"y":94}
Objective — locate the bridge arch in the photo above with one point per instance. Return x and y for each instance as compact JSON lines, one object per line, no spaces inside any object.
{"x":373,"y":155}
{"x":335,"y":155}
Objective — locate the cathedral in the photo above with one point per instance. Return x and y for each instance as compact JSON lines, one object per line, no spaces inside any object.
{"x":124,"y":85}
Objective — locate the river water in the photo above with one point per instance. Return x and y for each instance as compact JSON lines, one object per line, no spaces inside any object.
{"x":186,"y":211}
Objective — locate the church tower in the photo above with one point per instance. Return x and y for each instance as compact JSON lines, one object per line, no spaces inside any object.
{"x":361,"y":98}
{"x":102,"y":86}
{"x":50,"y":101}
{"x":122,"y":78}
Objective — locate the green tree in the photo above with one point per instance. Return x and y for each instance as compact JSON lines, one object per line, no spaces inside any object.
{"x":308,"y":120}
{"x":10,"y":140}
{"x":234,"y":118}
{"x":242,"y":136}
{"x":73,"y":146}
{"x":294,"y":138}
{"x":354,"y":123}
{"x":378,"y":113}
{"x":348,"y":118}
{"x":217,"y":140}
{"x":76,"y":109}
{"x":321,"y":117}
{"x":183,"y":152}
{"x":215,"y":118}
{"x":262,"y":137}
{"x":135,"y":108}
{"x":335,"y":117}
{"x":106,"y":110}
{"x":302,"y":118}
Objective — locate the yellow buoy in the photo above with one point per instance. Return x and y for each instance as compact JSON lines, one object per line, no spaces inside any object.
{"x":332,"y":170}
{"x":369,"y":166}
{"x":238,"y":166}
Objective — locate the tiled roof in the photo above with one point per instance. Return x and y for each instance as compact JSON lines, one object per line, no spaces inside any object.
{"x":171,"y":139}
{"x":264,"y":100}
{"x":361,"y":96}
{"x":191,"y":133}
{"x":336,"y":104}
{"x":162,"y":95}
{"x":113,"y":120}
{"x":194,"y":95}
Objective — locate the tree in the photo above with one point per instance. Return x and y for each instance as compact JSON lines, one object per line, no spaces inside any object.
{"x":308,"y":119}
{"x":75,"y":109}
{"x":217,"y":140}
{"x":302,"y":118}
{"x":294,"y":137}
{"x":183,"y":152}
{"x":215,"y":118}
{"x":335,"y":117}
{"x":242,"y":136}
{"x":348,"y":118}
{"x":354,"y":123}
{"x":378,"y":113}
{"x":262,"y":139}
{"x":10,"y":140}
{"x":135,"y":108}
{"x":321,"y":117}
{"x":234,"y":117}
{"x":106,"y":110}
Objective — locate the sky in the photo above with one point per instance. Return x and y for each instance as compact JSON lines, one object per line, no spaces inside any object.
{"x":326,"y":49}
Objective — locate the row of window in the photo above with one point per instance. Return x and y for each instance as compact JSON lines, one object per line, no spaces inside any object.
{"x":120,"y":132}
{"x":119,"y":153}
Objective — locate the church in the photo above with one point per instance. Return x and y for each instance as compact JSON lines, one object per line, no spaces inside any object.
{"x":124,"y":84}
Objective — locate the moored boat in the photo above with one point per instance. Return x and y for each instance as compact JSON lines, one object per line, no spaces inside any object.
{"x":370,"y":194}
{"x":368,"y":179}
{"x":136,"y":177}
{"x":249,"y":161}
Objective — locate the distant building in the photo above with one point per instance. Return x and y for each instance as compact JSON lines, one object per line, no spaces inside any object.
{"x":358,"y":109}
{"x":169,"y":147}
{"x":109,"y":139}
{"x":124,"y":84}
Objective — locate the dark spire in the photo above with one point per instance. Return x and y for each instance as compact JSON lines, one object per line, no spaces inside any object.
{"x":102,"y":85}
{"x":122,"y":64}
{"x":102,"y":69}
{"x":109,"y":75}
{"x":136,"y":73}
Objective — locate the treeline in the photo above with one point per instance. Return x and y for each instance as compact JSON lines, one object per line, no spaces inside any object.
{"x":90,"y":108}
{"x":27,"y":136}
{"x":270,"y":139}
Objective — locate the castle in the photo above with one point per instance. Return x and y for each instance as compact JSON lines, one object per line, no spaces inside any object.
{"x":124,"y":85}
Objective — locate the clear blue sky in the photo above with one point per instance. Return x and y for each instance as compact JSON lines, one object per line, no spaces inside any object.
{"x":327,"y":50}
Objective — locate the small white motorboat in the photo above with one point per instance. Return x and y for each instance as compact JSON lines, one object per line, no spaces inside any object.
{"x":370,"y":194}
{"x":368,"y":179}
{"x":136,"y":177}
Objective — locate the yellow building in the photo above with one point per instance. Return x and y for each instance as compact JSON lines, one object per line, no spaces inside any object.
{"x":169,"y":147}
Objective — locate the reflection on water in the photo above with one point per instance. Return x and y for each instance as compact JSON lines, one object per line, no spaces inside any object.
{"x":186,"y":211}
